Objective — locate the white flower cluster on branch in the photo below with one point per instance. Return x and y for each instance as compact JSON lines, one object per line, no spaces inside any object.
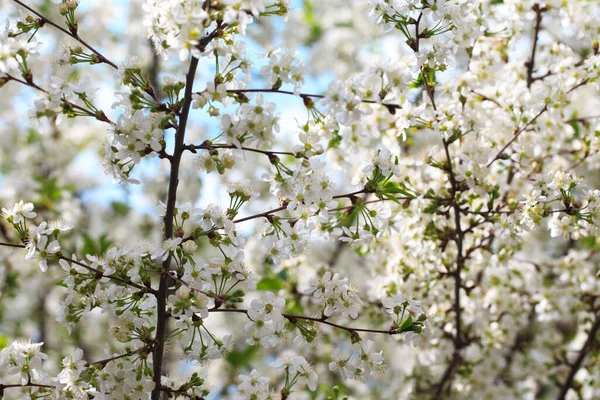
{"x":425,"y":226}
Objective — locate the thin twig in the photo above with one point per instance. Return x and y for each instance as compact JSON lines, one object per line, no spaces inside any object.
{"x":486,"y":98}
{"x":266,"y":214}
{"x":18,"y":385}
{"x":100,"y":116}
{"x":74,"y":36}
{"x":389,"y":106}
{"x":292,"y":318}
{"x":194,"y":289}
{"x":581,"y":119}
{"x":102,"y":363}
{"x":516,"y":135}
{"x":98,"y":274}
{"x":233,"y":147}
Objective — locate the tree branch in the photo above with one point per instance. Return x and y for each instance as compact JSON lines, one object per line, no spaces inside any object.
{"x":390,"y":106}
{"x":175,"y":160}
{"x":98,"y":274}
{"x":459,"y":236}
{"x":576,"y":365}
{"x":18,"y":385}
{"x":266,"y":214}
{"x":193,"y":148}
{"x":100,"y":115}
{"x":74,"y":36}
{"x":292,"y":318}
{"x":516,"y":135}
{"x":486,"y":98}
{"x":102,"y":363}
{"x":536,"y":31}
{"x":161,"y":298}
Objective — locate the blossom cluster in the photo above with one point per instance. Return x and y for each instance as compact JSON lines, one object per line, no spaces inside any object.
{"x":14,"y":52}
{"x":298,"y":372}
{"x":336,"y":294}
{"x":443,"y":197}
{"x":266,"y":321}
{"x":24,"y":359}
{"x":180,"y":26}
{"x":133,"y":137}
{"x":284,"y":67}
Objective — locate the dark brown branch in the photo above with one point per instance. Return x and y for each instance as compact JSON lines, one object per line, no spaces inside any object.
{"x":98,"y":274}
{"x":75,"y":36}
{"x":235,"y":91}
{"x":447,"y":374}
{"x":458,"y":238}
{"x":20,"y":246}
{"x":100,"y":115}
{"x":41,"y":317}
{"x":486,"y":98}
{"x":488,"y":212}
{"x":175,"y":160}
{"x":269,"y":153}
{"x":516,"y":135}
{"x":581,"y":119}
{"x":524,"y":128}
{"x":576,"y":365}
{"x":161,"y":298}
{"x":581,"y":83}
{"x":536,"y":31}
{"x":102,"y":363}
{"x":194,"y":289}
{"x":389,"y":106}
{"x":428,"y":89}
{"x":292,"y":318}
{"x":417,"y":33}
{"x":266,"y":214}
{"x":154,"y":71}
{"x":550,"y":73}
{"x":18,"y":385}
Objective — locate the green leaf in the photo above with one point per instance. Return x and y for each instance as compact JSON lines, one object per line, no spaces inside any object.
{"x":11,"y":283}
{"x":95,"y":246}
{"x":391,"y":197}
{"x":335,"y":141}
{"x":391,"y":189}
{"x":272,"y":283}
{"x":294,"y":307}
{"x":120,"y":208}
{"x":432,"y":208}
{"x":241,"y":358}
{"x":283,"y":274}
{"x":49,"y":189}
{"x":576,"y":128}
{"x":591,"y":242}
{"x":407,"y":325}
{"x":315,"y":29}
{"x":3,"y":341}
{"x":417,"y":83}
